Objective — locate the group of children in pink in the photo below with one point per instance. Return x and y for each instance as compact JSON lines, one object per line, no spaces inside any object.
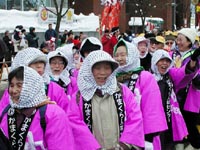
{"x":103,"y":102}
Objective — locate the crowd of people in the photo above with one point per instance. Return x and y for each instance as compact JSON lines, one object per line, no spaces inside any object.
{"x":117,"y":92}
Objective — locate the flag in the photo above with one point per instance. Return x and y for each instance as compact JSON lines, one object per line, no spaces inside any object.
{"x":110,"y":14}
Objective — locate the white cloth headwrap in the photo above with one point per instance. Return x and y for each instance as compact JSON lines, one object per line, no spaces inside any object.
{"x":33,"y":90}
{"x":64,"y":76}
{"x":158,"y":55}
{"x":86,"y":82}
{"x":133,"y":59}
{"x":27,"y":56}
{"x":67,"y":51}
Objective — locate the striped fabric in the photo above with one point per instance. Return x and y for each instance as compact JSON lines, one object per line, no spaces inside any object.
{"x":86,"y":81}
{"x":33,"y":90}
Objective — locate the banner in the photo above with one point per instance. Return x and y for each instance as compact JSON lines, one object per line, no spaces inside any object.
{"x":111,"y":14}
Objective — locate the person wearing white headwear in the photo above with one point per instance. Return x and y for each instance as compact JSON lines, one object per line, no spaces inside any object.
{"x":90,"y":44}
{"x":35,"y":59}
{"x":145,"y":57}
{"x":57,"y":70}
{"x":169,"y":79}
{"x":188,"y":96}
{"x":103,"y":113}
{"x":145,"y":89}
{"x":27,"y":96}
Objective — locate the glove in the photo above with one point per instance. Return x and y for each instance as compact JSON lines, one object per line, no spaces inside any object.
{"x":195,"y":55}
{"x":148,"y":145}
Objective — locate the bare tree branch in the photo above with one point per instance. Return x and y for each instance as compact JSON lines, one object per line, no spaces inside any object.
{"x":47,"y":8}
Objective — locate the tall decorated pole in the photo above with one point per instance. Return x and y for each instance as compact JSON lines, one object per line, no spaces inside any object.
{"x":110,"y":14}
{"x":198,"y":14}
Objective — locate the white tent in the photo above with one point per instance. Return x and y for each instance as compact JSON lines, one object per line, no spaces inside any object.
{"x":137,"y":21}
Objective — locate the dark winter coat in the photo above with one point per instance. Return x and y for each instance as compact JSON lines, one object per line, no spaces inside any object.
{"x":32,"y":38}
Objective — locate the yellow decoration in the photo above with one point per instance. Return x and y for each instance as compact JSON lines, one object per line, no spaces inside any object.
{"x":198,"y":9}
{"x":69,"y":15}
{"x":178,"y":62}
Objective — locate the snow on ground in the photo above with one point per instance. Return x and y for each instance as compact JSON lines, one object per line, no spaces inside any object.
{"x":11,"y":18}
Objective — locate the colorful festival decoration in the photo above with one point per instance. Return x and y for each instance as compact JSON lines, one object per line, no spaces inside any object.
{"x":198,"y":14}
{"x":110,"y":14}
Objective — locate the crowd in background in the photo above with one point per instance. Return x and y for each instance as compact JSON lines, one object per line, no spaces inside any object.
{"x":121,"y":91}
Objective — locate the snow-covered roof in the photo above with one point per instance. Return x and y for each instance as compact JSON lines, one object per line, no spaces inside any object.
{"x":11,"y":18}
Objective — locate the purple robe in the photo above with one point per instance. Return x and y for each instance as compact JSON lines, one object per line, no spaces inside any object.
{"x":58,"y":134}
{"x":151,"y":103}
{"x":133,"y":126}
{"x":55,"y":93}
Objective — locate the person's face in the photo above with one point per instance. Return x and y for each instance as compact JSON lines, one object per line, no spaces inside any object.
{"x":38,"y":66}
{"x":152,"y":47}
{"x":169,"y":43}
{"x":15,"y":88}
{"x":86,"y":53}
{"x":101,"y":71}
{"x":142,"y":47}
{"x":163,"y":65}
{"x":57,"y":65}
{"x":182,"y":43}
{"x":159,"y":45}
{"x":50,"y":26}
{"x":121,"y":55}
{"x":76,"y":56}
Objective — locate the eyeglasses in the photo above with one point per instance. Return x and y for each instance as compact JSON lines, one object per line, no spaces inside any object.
{"x":169,"y":43}
{"x":57,"y":62}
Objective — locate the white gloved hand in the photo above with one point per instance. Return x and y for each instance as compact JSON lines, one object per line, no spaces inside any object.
{"x":148,"y":145}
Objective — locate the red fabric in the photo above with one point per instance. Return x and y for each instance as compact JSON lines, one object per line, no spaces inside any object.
{"x":113,"y":41}
{"x":104,"y":17}
{"x":110,"y":16}
{"x":106,"y":42}
{"x":76,"y":42}
{"x":114,"y":15}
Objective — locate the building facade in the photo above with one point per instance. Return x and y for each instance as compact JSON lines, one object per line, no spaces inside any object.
{"x":175,"y":13}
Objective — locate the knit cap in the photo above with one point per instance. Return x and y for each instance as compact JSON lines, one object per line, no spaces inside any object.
{"x":189,"y":33}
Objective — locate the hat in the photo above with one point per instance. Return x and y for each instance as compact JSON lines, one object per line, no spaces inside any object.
{"x":90,"y":44}
{"x":39,"y":59}
{"x":139,"y":39}
{"x":152,"y":39}
{"x":114,"y":29}
{"x":169,"y":37}
{"x":141,"y":35}
{"x":160,"y":39}
{"x":158,"y":55}
{"x":56,"y":53}
{"x":149,"y":35}
{"x":189,"y":33}
{"x":168,"y":32}
{"x":197,"y":38}
{"x":175,"y":33}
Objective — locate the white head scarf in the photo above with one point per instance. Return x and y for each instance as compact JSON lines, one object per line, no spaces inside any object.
{"x":64,"y":76}
{"x":133,"y":59}
{"x":28,"y":56}
{"x":139,"y":39}
{"x":67,"y":51}
{"x":158,"y":55}
{"x":86,"y":82}
{"x":33,"y":90}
